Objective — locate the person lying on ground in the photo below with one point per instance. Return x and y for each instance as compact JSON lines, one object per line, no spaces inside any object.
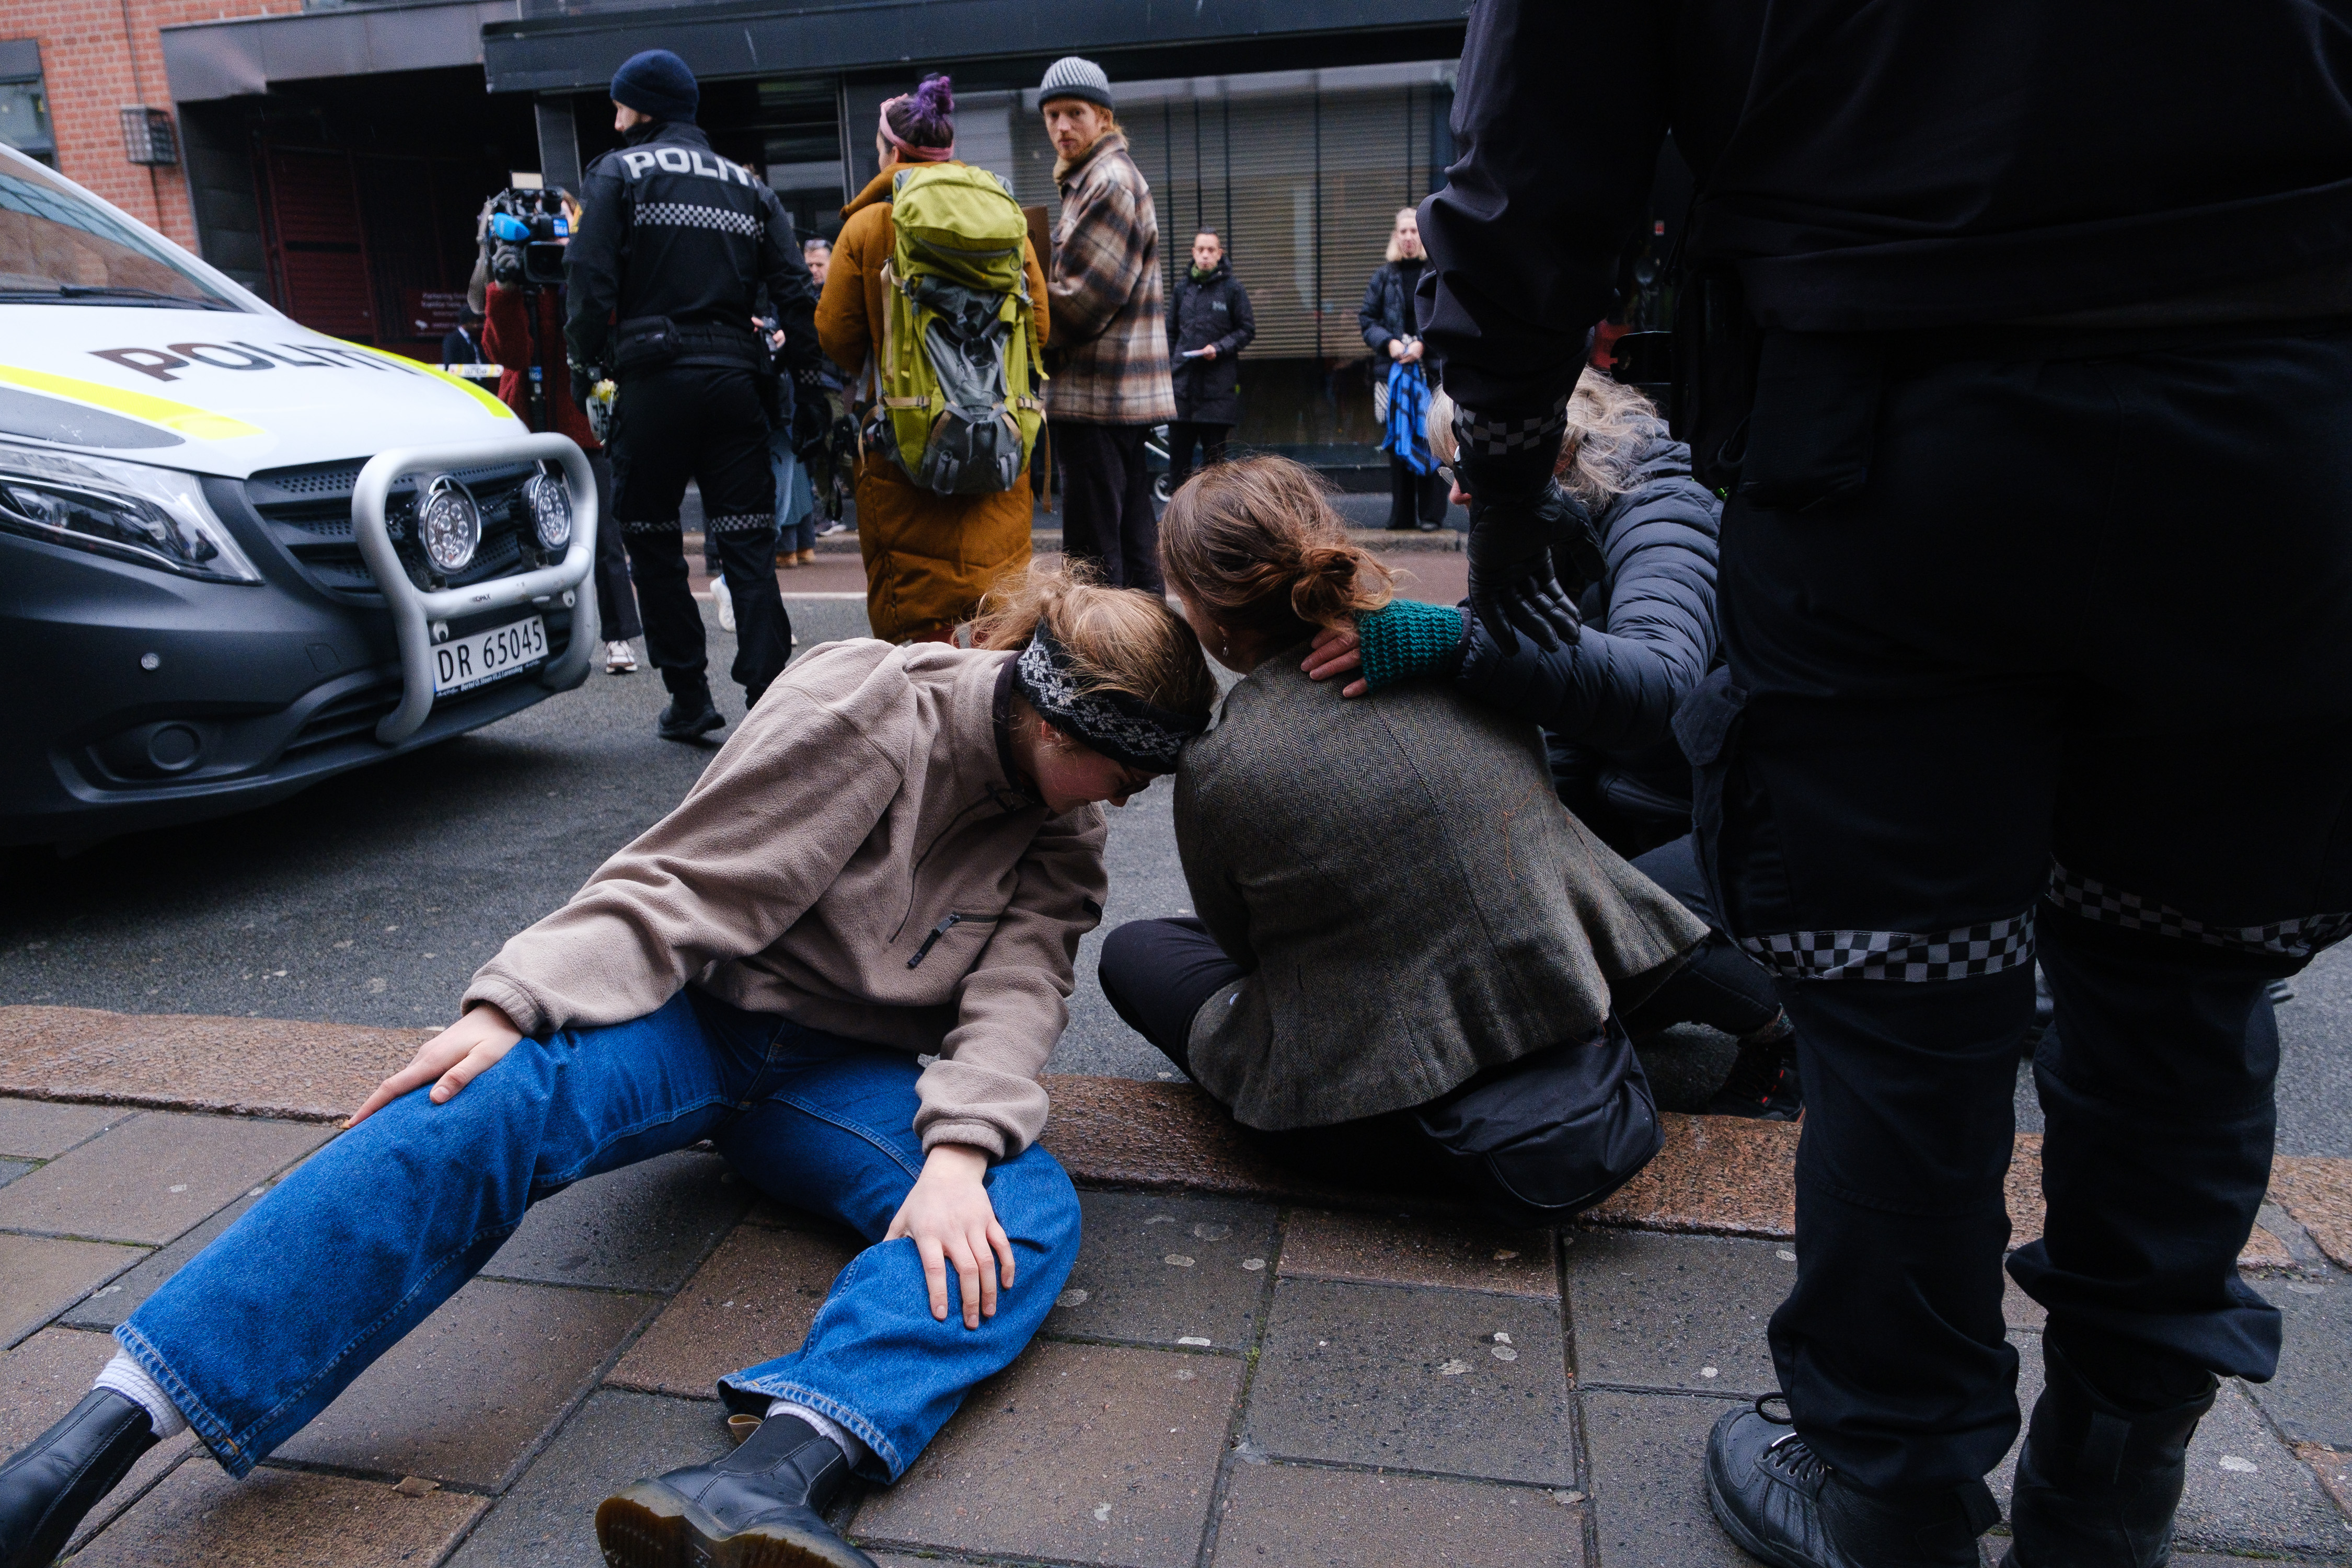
{"x":1642,"y":568}
{"x":765,"y":979}
{"x":1404,"y":943}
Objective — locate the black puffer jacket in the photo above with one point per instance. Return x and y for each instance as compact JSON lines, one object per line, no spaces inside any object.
{"x":1387,"y":309}
{"x":1607,"y":702}
{"x":1208,"y":390}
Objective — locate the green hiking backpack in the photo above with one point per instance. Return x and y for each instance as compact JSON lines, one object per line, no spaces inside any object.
{"x":956,"y":400}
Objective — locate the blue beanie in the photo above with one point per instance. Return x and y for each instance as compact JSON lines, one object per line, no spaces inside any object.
{"x":657,"y":83}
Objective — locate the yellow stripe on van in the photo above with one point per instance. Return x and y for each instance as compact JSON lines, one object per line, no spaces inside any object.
{"x":197,"y":424}
{"x":487,"y":398}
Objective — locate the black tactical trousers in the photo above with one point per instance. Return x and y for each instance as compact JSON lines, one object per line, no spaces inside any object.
{"x":2073,"y":670}
{"x":705,"y":424}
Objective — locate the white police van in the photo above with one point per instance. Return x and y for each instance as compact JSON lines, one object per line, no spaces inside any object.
{"x":236,"y":556}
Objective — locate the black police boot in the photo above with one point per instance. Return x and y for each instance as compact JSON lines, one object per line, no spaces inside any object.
{"x":46,"y":1491}
{"x":1782,"y":1503}
{"x":1762,"y":1084}
{"x":691,"y":714}
{"x":762,"y":1506}
{"x":2097,"y":1482}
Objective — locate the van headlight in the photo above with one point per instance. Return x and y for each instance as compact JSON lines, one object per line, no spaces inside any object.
{"x":156,"y":517}
{"x":549,"y":500}
{"x":448,"y":524}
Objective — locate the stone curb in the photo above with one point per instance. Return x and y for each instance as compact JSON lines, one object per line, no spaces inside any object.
{"x":1714,"y":1176}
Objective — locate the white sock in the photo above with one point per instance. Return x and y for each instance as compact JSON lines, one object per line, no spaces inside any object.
{"x":124,"y":1377}
{"x":843,"y":1439}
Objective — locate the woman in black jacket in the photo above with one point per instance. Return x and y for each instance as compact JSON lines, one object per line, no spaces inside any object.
{"x":1209,"y":323}
{"x":1391,"y":331}
{"x":1644,"y":573}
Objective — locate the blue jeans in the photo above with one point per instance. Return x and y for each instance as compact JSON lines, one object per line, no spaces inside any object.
{"x":795,"y":497}
{"x":262,"y":1329}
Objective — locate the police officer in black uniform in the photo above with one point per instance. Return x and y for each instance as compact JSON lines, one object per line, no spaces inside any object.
{"x":2021,"y":334}
{"x":675,"y":244}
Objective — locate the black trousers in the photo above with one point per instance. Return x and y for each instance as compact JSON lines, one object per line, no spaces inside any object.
{"x":1415,"y":499}
{"x":1183,"y":435}
{"x":1719,"y":984}
{"x":1157,"y":973}
{"x":1107,"y":516}
{"x":616,"y":599}
{"x":706,"y":424}
{"x":2073,"y":670}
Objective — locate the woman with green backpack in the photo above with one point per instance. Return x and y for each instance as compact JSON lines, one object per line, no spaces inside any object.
{"x":939,"y":327}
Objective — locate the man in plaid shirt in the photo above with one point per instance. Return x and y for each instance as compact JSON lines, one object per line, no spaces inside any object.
{"x":1109,"y":353}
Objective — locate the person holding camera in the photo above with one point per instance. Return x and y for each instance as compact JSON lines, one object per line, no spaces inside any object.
{"x":523,"y":334}
{"x":674,"y":245}
{"x":1974,"y":367}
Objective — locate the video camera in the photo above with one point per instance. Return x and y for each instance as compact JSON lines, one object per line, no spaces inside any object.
{"x":528,"y":231}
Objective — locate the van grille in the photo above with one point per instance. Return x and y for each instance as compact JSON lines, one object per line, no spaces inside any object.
{"x":309,"y":512}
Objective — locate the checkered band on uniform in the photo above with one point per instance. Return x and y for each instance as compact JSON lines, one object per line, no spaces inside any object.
{"x":1495,"y":436}
{"x":1960,"y":954}
{"x":668,"y":526}
{"x":739,"y":522}
{"x":693,"y":214}
{"x":2298,"y":938}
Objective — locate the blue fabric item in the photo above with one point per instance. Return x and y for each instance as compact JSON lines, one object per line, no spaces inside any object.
{"x":1407,"y":433}
{"x":289,"y":1306}
{"x":1651,"y":632}
{"x":1406,"y":637}
{"x":795,"y":497}
{"x":658,"y":83}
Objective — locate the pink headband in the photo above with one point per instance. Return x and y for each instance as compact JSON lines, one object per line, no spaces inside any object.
{"x":908,"y":150}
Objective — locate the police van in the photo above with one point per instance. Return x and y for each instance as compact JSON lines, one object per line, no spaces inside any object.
{"x":238,"y":556}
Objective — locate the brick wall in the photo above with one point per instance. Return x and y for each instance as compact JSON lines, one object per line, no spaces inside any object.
{"x":97,"y":56}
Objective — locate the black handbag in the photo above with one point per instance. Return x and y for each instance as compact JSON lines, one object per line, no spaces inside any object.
{"x":1551,"y":1135}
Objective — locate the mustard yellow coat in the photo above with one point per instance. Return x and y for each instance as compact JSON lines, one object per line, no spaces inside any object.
{"x":928,"y":558}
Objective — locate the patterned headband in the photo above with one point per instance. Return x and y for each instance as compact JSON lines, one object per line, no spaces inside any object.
{"x":1122,"y":727}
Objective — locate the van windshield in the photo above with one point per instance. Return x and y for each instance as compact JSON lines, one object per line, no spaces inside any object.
{"x":57,"y":247}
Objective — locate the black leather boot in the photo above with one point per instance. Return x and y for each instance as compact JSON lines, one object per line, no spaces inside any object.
{"x":2097,"y":1482}
{"x":46,"y":1489}
{"x":762,"y":1506}
{"x":688,"y":717}
{"x":1782,"y":1503}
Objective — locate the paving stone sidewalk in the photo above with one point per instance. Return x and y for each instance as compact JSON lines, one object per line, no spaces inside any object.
{"x":1226,"y":1380}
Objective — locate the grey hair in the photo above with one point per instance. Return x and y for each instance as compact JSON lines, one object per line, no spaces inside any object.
{"x":1609,"y":425}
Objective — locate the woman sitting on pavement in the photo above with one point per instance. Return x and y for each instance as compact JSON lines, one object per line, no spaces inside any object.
{"x":1404,"y":943}
{"x":1645,"y":570}
{"x":764,"y":978}
{"x":928,"y":557}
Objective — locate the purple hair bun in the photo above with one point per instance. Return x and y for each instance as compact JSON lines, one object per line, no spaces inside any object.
{"x":926,"y":117}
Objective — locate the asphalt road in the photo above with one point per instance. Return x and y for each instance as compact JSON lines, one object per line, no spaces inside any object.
{"x":372,"y":898}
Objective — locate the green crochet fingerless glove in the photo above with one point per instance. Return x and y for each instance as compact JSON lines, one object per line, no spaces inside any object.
{"x":1406,"y":637}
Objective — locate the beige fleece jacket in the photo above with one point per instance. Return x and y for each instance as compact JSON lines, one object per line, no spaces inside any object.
{"x":813,"y":872}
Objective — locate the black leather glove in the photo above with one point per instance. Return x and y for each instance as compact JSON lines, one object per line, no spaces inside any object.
{"x":583,"y":385}
{"x":1517,"y":516}
{"x":505,"y":264}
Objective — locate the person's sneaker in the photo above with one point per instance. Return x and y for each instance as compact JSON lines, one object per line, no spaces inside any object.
{"x":1762,"y":1085}
{"x":832,"y":526}
{"x":686,"y":718}
{"x":49,"y":1487}
{"x":726,"y":603}
{"x":620,"y":659}
{"x":762,"y":1506}
{"x":2097,"y":1482}
{"x":1782,"y":1503}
